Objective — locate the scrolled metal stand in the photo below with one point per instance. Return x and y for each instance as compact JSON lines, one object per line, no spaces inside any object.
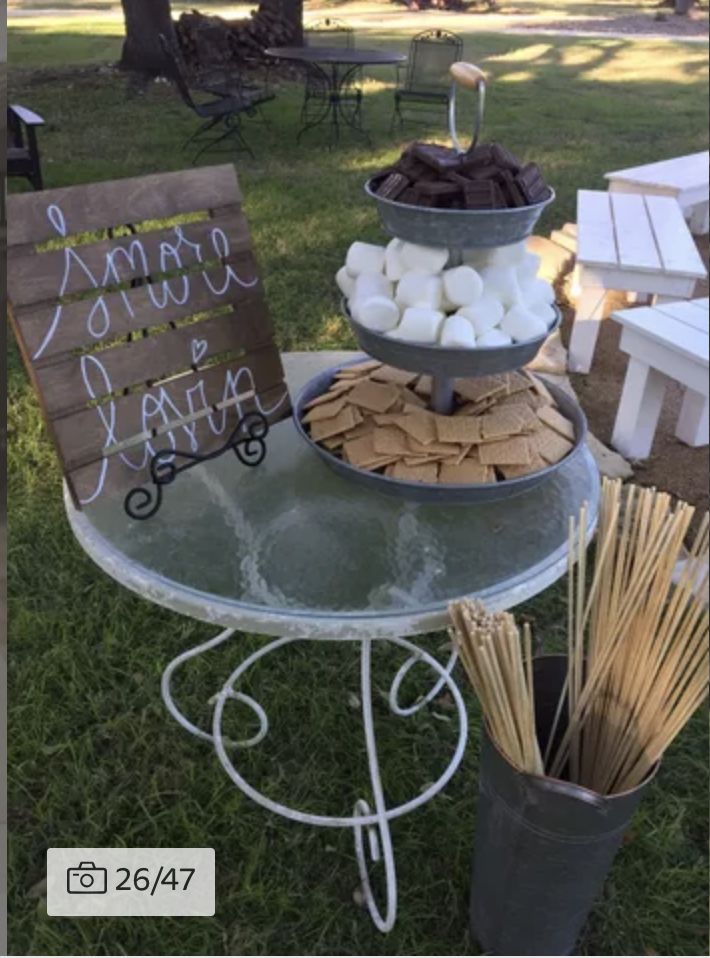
{"x":247,"y":441}
{"x":370,"y":822}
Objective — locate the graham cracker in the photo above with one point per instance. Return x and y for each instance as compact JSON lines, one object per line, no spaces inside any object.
{"x":335,"y":442}
{"x":364,"y":428}
{"x":410,"y":398}
{"x":466,"y":473}
{"x":358,"y":369}
{"x":542,"y":391}
{"x":398,"y":377}
{"x":556,"y":421}
{"x":426,"y":472}
{"x":361,"y":452}
{"x":551,"y":446}
{"x":423,"y":386}
{"x":459,"y":429}
{"x":346,"y":419}
{"x":390,"y":441}
{"x":431,"y":449}
{"x":335,"y":390}
{"x":516,"y":383}
{"x":376,"y":397}
{"x":386,"y":418}
{"x":506,"y":452}
{"x":516,"y":472}
{"x":501,"y":423}
{"x":468,"y":409}
{"x":418,"y":425}
{"x":325,"y":410}
{"x":476,"y":390}
{"x":464,"y":453}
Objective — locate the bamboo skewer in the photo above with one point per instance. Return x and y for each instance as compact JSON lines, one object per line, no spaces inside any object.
{"x":637,"y":647}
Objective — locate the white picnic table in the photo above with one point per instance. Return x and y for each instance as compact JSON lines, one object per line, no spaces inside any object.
{"x":668,"y":341}
{"x":685,"y":178}
{"x":628,"y":241}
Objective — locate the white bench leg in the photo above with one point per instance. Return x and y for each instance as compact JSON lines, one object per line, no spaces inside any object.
{"x":692,"y":428}
{"x":587,"y":319}
{"x":699,"y":219}
{"x":639,"y":409}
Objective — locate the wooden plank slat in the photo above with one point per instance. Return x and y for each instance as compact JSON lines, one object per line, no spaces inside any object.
{"x":151,"y":357}
{"x":115,"y":477}
{"x":113,"y":315}
{"x":37,"y":277}
{"x":676,"y":246}
{"x":95,"y":433}
{"x":596,"y":245}
{"x":686,"y":313}
{"x":96,"y":206}
{"x":634,"y":237}
{"x":679,"y":173}
{"x":666,"y":331}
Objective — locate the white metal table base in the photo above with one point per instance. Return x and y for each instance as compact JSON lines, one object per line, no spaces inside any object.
{"x":367,"y":819}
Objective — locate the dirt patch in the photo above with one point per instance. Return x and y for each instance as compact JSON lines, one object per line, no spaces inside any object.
{"x":672,"y":466}
{"x":694,"y":25}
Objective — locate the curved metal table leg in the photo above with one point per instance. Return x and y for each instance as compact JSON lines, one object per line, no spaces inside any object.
{"x":370,"y":823}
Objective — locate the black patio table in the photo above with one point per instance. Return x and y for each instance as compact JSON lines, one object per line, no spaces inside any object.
{"x":335,"y":67}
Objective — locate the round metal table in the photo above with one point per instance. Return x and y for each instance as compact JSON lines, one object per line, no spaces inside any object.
{"x":331,"y":71}
{"x":291,"y":549}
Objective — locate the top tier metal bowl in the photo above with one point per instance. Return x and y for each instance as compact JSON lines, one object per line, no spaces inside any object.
{"x":457,"y":229}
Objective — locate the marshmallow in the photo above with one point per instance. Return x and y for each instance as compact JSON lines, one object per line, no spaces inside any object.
{"x":419,"y":289}
{"x":537,"y":291}
{"x":495,"y":337}
{"x":419,"y":325}
{"x":528,"y":266}
{"x":377,"y":313}
{"x":424,"y":259}
{"x":502,"y":282}
{"x":394,"y":267}
{"x":521,"y":325}
{"x":372,"y":284}
{"x":462,"y":285}
{"x":346,"y":284}
{"x":510,"y":255}
{"x":457,"y":331}
{"x":484,"y":314}
{"x":365,"y":258}
{"x":545,"y":311}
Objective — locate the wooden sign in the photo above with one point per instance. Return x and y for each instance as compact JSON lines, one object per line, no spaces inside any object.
{"x":141,"y":317}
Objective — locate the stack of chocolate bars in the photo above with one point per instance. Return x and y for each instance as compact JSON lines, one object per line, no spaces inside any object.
{"x":488,"y":177}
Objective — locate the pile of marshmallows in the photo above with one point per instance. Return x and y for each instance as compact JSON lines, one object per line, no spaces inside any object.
{"x":405,"y":291}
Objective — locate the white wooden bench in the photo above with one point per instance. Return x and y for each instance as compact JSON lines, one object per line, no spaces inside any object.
{"x":626,"y":241}
{"x":685,"y":178}
{"x":666,"y":341}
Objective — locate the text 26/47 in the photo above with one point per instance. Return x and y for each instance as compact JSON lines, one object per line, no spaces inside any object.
{"x":177,"y":879}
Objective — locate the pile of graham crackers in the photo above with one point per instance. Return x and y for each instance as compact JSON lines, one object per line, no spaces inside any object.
{"x":375,"y":417}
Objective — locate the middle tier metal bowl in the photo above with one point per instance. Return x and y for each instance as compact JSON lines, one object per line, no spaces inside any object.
{"x":457,"y":229}
{"x":444,"y":362}
{"x":444,"y":494}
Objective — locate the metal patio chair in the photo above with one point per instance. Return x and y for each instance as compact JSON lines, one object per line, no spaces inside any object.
{"x":426,"y":84}
{"x":221,"y":115}
{"x":328,"y":32}
{"x":23,"y":157}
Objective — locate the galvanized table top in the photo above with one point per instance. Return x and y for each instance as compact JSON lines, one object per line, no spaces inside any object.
{"x":291,"y":548}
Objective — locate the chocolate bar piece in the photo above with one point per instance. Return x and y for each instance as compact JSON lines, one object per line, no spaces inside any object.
{"x":438,"y":188}
{"x":532,"y":184}
{"x":504,"y":159}
{"x":479,"y":156}
{"x":439,"y":158}
{"x":393,"y":185}
{"x":483,"y":195}
{"x":512,"y":190}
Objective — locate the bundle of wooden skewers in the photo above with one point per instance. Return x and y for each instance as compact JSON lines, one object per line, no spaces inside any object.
{"x":637,"y":651}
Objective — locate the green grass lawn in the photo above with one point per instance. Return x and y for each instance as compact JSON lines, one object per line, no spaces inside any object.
{"x":95,"y":759}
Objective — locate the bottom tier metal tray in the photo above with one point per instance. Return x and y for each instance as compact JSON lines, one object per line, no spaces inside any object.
{"x":435,"y":492}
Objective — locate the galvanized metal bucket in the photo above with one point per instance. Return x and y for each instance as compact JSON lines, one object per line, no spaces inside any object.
{"x":543,"y":847}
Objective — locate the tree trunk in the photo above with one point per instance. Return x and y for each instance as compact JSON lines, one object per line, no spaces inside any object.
{"x":145,"y":21}
{"x":289,"y":10}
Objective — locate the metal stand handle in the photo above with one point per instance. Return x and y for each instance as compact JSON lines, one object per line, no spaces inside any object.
{"x":471,"y":77}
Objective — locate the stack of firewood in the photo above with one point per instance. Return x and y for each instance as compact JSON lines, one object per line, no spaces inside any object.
{"x":210,"y":41}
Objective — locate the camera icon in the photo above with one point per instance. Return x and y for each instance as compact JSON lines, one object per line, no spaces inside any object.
{"x":87,"y":879}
